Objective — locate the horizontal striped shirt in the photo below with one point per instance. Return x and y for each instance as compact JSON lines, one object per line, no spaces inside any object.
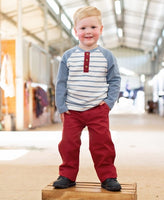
{"x":84,"y":79}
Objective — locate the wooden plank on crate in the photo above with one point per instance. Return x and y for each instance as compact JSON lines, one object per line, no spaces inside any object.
{"x":89,"y":191}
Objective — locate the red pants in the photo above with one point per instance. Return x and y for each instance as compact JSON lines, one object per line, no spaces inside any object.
{"x":100,"y":142}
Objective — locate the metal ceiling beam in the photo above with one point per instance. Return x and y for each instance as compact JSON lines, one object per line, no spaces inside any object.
{"x":161,"y":48}
{"x":27,"y":32}
{"x":141,"y":15}
{"x":135,"y":37}
{"x":119,"y":19}
{"x":144,"y":21}
{"x":158,"y":1}
{"x":123,"y":21}
{"x":72,"y":4}
{"x":57,"y":18}
{"x":76,"y":3}
{"x":25,"y":10}
{"x":132,"y":48}
{"x":24,"y":30}
{"x":136,"y":26}
{"x":54,"y":16}
{"x":45,"y":26}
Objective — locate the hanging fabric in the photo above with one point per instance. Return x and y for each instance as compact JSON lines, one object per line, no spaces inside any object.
{"x":6,"y":77}
{"x":41,"y":100}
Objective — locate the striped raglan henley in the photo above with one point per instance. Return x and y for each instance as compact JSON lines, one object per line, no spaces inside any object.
{"x":86,"y":78}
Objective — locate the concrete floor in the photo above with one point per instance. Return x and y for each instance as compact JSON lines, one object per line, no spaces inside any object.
{"x":29,"y":160}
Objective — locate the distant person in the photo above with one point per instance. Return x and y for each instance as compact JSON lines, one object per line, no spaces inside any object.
{"x":88,"y":85}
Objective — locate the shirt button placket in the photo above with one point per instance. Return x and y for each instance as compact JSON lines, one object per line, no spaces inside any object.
{"x":86,"y":61}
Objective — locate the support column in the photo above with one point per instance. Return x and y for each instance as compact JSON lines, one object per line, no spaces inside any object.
{"x":45,"y":26}
{"x":19,"y":71}
{"x":0,"y":63}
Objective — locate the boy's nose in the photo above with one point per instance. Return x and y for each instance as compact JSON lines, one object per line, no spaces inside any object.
{"x":88,"y":30}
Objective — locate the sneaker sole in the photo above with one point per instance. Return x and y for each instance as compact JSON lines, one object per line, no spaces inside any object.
{"x":63,"y":186}
{"x":111,"y":188}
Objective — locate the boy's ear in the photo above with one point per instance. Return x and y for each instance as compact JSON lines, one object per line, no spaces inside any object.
{"x":101,"y":29}
{"x":75,"y":31}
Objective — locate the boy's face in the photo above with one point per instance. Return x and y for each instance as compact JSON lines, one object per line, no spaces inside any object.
{"x":88,"y":31}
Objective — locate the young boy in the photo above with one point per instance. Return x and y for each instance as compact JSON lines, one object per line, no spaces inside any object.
{"x":87,"y":87}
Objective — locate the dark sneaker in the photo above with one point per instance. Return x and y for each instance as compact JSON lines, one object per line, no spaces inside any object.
{"x":63,"y":182}
{"x":111,"y":184}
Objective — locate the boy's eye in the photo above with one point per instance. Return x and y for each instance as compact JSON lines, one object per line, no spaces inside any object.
{"x":83,"y":28}
{"x":93,"y":27}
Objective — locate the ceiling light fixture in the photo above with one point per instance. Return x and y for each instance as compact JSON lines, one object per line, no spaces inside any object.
{"x":155,"y":49}
{"x":54,"y":6}
{"x":142,"y":78}
{"x":159,"y":41}
{"x":162,"y":63}
{"x":120,"y":32}
{"x":163,"y":33}
{"x":66,"y":21}
{"x":118,"y":7}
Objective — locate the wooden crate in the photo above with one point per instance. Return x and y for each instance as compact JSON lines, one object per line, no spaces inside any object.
{"x":89,"y":191}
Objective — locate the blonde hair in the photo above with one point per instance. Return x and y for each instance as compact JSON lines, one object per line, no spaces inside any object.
{"x":87,"y":11}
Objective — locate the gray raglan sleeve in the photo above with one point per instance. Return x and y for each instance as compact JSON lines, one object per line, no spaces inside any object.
{"x":114,"y":80}
{"x":61,"y":87}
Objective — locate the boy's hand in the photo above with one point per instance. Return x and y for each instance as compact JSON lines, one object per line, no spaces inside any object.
{"x":102,"y":103}
{"x":62,"y":116}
